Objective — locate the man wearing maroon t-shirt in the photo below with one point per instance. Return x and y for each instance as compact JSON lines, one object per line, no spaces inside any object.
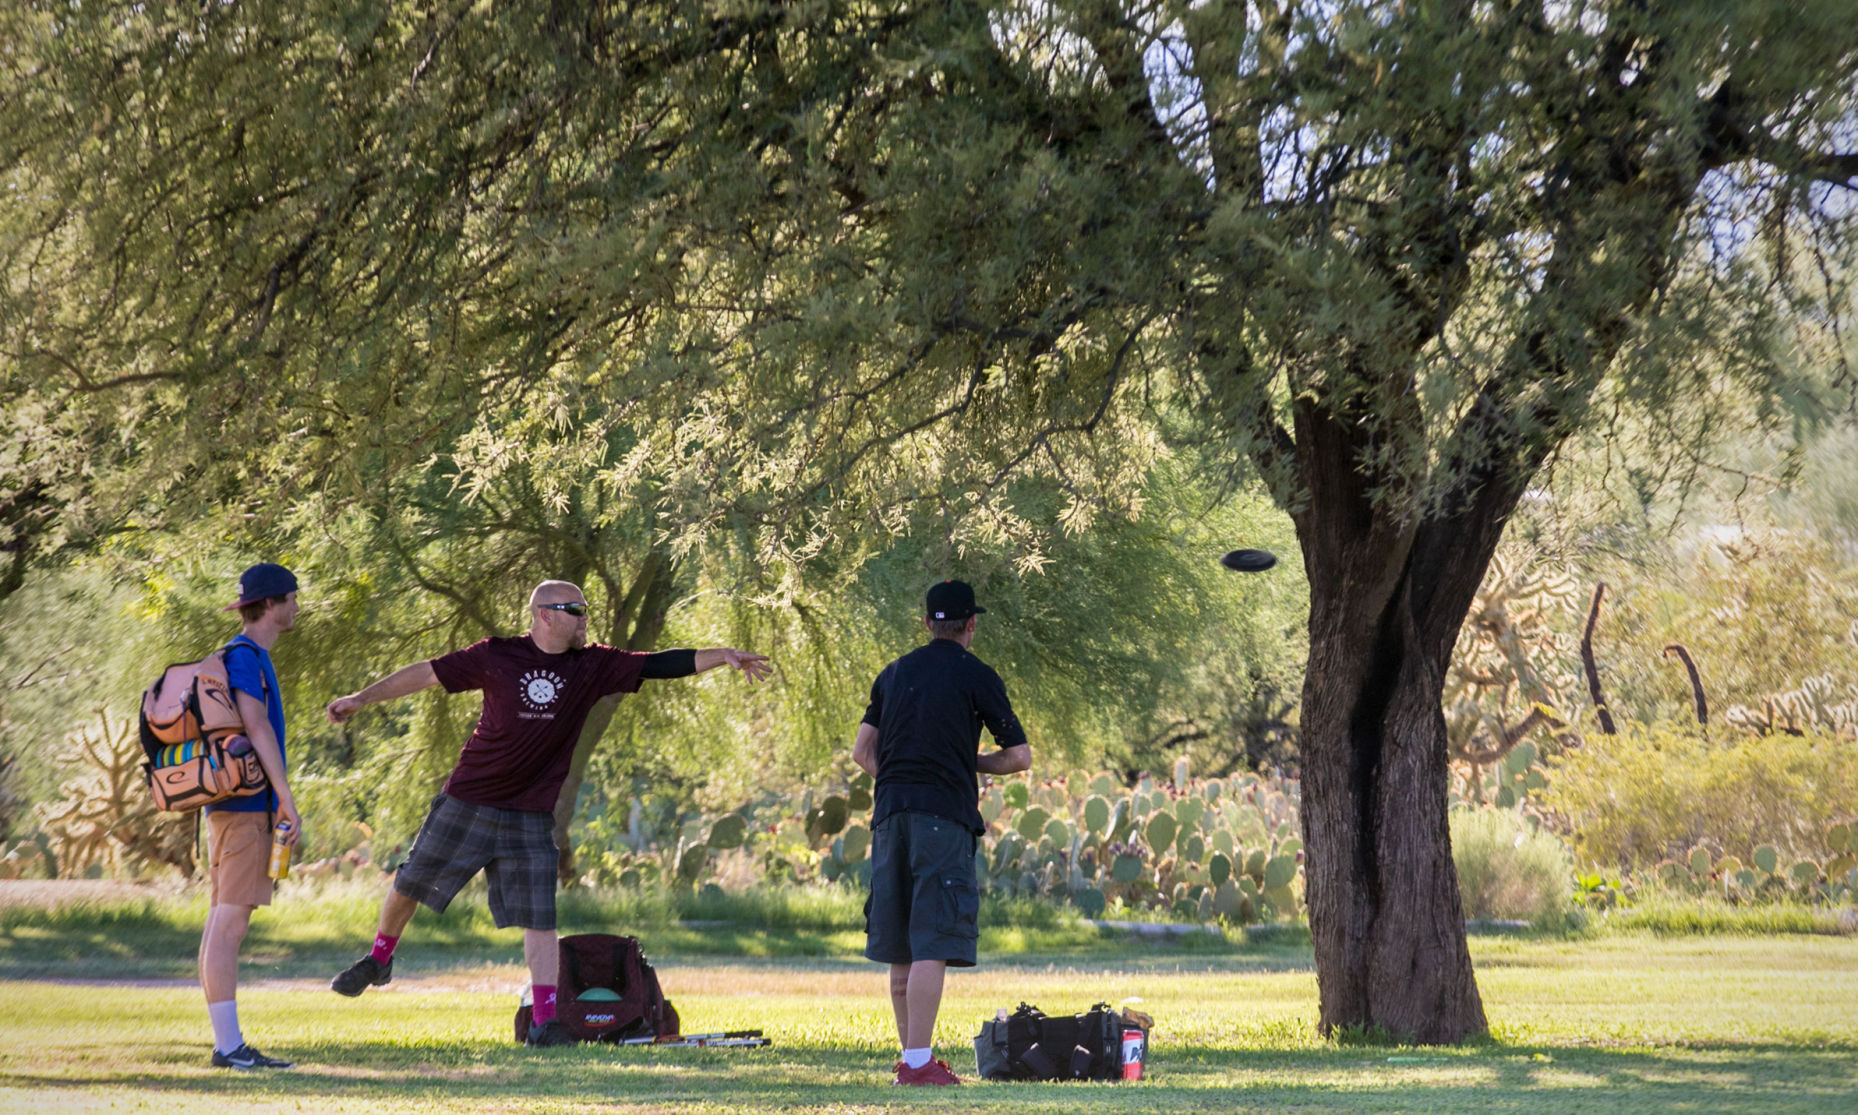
{"x":496,"y":812}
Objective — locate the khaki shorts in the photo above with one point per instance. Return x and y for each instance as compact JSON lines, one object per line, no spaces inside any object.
{"x":239,"y":854}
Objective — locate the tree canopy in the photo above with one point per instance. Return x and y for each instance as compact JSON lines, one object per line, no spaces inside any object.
{"x":805,"y":277}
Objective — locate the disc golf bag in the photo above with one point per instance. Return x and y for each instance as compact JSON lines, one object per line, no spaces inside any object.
{"x":1030,"y":1045}
{"x":191,"y":737}
{"x":607,"y":992}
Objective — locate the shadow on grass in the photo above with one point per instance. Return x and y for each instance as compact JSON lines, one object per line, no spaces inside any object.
{"x":1721,"y":1077}
{"x":150,"y":940}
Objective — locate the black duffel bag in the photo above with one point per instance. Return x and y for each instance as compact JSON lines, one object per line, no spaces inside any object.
{"x":1029,"y":1045}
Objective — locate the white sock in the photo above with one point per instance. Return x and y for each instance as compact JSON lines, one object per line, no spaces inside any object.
{"x":225,"y":1016}
{"x":916,"y":1058}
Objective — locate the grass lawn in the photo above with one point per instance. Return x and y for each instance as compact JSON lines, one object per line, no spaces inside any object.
{"x":1604,"y":1022}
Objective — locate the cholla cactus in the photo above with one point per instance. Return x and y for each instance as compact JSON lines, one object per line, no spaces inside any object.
{"x":1510,"y":670}
{"x":104,"y":815}
{"x":1817,"y":706}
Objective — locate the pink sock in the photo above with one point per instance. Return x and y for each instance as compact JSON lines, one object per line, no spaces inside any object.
{"x":543,"y":1008}
{"x":384,"y":947}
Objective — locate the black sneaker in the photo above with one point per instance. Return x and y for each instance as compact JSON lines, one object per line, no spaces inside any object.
{"x":361,"y":975}
{"x":245,"y":1059}
{"x":551,"y":1032}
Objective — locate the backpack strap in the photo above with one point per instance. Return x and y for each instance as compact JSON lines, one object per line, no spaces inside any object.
{"x":1024,"y":1030}
{"x":236,"y":645}
{"x":269,"y":793}
{"x":622,"y":974}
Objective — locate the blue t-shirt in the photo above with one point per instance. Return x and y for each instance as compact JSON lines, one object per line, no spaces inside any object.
{"x":249,"y":671}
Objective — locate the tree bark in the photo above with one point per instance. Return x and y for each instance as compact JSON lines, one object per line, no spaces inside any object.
{"x":1386,"y":916}
{"x":1592,"y":668}
{"x":639,"y":620}
{"x":1696,"y":681}
{"x":1388,"y":594}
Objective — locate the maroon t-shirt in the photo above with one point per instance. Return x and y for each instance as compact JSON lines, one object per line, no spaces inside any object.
{"x":534,"y":706}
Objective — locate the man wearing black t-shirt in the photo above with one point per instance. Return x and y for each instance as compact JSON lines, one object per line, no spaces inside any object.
{"x":496,"y":812}
{"x":920,"y":742}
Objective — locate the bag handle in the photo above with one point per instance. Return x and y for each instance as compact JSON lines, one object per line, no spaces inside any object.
{"x":1041,"y":1065}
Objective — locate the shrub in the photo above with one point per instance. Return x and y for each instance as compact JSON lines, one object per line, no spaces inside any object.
{"x":1652,"y":793}
{"x":1509,"y":869}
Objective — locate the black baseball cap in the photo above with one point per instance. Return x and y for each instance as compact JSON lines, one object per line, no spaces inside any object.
{"x":951,"y":600}
{"x":262,"y":582}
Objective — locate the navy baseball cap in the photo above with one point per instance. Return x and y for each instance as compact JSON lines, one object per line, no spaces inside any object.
{"x":262,"y":582}
{"x":951,"y":600}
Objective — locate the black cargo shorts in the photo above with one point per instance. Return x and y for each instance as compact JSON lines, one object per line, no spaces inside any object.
{"x":924,"y":903}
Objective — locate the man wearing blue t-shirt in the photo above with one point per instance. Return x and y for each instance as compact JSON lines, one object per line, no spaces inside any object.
{"x":239,"y":830}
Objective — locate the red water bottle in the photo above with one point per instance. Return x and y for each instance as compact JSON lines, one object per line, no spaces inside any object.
{"x":1135,"y":1051}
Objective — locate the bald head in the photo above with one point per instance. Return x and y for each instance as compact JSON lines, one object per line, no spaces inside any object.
{"x":553,"y":628}
{"x":555,"y":592}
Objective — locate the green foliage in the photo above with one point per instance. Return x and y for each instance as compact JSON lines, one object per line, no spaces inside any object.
{"x":1654,"y":793}
{"x":1667,"y":913}
{"x":1510,"y":870}
{"x":793,"y":280}
{"x":1040,"y":851}
{"x":1164,"y":848}
{"x":1770,"y":617}
{"x":1829,"y":879}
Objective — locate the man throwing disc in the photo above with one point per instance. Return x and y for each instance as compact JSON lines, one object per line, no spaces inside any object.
{"x":920,"y":743}
{"x":496,"y":812}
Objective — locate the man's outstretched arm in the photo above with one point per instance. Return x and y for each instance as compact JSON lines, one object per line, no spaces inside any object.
{"x":683,"y":663}
{"x":401,"y":683}
{"x":754,"y":667}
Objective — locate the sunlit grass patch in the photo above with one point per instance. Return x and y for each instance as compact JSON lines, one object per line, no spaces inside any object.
{"x":1621,"y":1023}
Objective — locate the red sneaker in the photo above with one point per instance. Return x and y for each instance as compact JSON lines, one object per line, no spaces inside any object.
{"x":935,"y":1072}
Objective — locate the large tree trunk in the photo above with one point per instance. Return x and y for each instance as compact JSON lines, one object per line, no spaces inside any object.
{"x":1385,"y":912}
{"x":638,"y":621}
{"x":1388,"y":594}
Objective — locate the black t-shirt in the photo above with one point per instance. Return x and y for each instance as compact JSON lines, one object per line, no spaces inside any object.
{"x":928,"y":708}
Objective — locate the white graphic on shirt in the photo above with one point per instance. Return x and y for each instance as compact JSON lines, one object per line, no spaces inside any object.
{"x":540,"y":688}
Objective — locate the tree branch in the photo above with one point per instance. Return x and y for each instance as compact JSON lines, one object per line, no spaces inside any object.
{"x":1838,"y":169}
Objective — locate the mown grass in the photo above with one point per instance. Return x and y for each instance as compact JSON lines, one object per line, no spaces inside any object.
{"x":150,"y":935}
{"x":1611,"y":1017}
{"x":130,"y":932}
{"x":1626,"y":1023}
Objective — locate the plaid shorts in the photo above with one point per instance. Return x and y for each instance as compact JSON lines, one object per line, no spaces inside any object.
{"x":516,"y":852}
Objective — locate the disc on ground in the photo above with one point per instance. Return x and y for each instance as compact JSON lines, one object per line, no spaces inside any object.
{"x":1249,"y":561}
{"x":598,"y":995}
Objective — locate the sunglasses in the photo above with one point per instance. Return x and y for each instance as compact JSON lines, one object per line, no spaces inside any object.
{"x":573,"y":608}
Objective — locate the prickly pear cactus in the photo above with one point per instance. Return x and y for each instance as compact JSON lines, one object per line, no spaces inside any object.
{"x":1206,"y":849}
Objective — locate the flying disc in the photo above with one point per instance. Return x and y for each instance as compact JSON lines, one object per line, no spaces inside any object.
{"x":598,"y":995}
{"x":1249,"y":561}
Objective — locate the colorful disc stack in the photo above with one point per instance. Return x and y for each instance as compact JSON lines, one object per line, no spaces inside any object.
{"x":178,"y":753}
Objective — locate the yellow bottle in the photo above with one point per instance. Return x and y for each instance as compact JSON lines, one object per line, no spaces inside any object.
{"x":280,"y":852}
